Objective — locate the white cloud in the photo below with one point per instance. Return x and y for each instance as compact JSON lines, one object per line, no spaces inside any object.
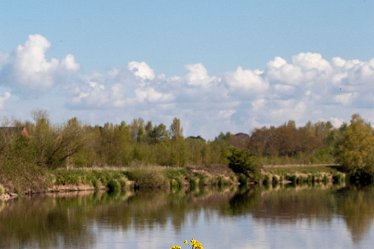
{"x":306,"y":87}
{"x":226,"y":114}
{"x":141,"y":70}
{"x":258,"y":104}
{"x":28,"y":66}
{"x":247,"y":80}
{"x":279,"y":71}
{"x":151,"y":95}
{"x":198,"y":75}
{"x":345,"y":98}
{"x":289,"y":109}
{"x":311,"y":61}
{"x":70,"y":64}
{"x":91,"y":94}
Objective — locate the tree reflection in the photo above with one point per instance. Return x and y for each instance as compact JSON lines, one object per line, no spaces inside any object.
{"x":67,"y":221}
{"x":44,"y":223}
{"x":47,"y":222}
{"x":289,"y":205}
{"x":356,"y":205}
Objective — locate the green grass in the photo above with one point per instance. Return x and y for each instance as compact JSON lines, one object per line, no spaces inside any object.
{"x":110,"y":179}
{"x":299,"y":175}
{"x":34,"y":178}
{"x":280,"y":170}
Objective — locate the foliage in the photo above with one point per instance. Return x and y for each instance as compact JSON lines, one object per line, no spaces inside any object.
{"x":242,"y":162}
{"x":148,"y":177}
{"x":356,"y":150}
{"x":39,"y":145}
{"x":113,"y":186}
{"x":312,"y":142}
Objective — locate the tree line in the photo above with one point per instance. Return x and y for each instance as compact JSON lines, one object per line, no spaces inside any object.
{"x":74,"y":144}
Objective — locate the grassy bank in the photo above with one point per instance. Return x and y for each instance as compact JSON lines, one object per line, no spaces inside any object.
{"x":30,"y":180}
{"x":118,"y":179}
{"x":144,"y":177}
{"x":302,"y":174}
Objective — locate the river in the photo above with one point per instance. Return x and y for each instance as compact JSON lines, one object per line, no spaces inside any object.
{"x":300,"y":217}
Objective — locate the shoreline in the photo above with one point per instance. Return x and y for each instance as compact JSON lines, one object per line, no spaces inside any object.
{"x":170,"y":178}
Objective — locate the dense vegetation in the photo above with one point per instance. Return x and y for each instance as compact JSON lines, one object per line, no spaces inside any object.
{"x":29,"y":148}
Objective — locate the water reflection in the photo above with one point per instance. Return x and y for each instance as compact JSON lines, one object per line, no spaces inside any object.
{"x":289,"y":205}
{"x":75,"y":221}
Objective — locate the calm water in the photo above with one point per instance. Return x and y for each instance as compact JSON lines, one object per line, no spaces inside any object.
{"x":285,"y":218}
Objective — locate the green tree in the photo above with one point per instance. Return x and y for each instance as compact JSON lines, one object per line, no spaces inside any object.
{"x":178,"y":149}
{"x":356,"y":149}
{"x":243,"y":162}
{"x":176,"y":130}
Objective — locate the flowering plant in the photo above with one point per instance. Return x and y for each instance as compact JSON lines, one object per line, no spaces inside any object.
{"x":193,"y":243}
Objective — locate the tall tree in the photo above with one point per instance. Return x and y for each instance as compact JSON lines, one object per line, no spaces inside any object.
{"x":356,"y":150}
{"x":176,"y":130}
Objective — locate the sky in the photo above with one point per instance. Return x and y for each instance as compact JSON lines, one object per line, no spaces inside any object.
{"x":216,"y":65}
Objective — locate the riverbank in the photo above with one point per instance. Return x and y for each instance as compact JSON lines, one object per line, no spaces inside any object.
{"x":115,"y":179}
{"x":302,"y":174}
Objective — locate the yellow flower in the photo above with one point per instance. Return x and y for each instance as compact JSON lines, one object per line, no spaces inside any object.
{"x":196,"y":244}
{"x":175,"y":247}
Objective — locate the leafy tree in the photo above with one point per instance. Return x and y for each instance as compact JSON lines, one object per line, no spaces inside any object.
{"x":242,"y":162}
{"x":356,"y":149}
{"x":176,"y":130}
{"x":178,"y":146}
{"x":158,"y":134}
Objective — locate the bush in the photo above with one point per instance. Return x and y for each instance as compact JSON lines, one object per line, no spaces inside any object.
{"x":274,"y":181}
{"x":242,"y":179}
{"x":113,"y":186}
{"x":242,"y":162}
{"x":148,"y":177}
{"x":266,"y":181}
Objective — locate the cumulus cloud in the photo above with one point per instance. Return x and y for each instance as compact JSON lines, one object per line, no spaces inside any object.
{"x":69,"y":63}
{"x":247,"y":80}
{"x":92,"y":94}
{"x":304,"y":87}
{"x":28,"y":66}
{"x":151,"y":95}
{"x":308,"y":87}
{"x":119,"y":87}
{"x":279,"y":71}
{"x":141,"y":70}
{"x":198,"y":75}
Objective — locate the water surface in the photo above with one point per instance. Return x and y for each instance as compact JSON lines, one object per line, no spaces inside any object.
{"x":282,"y":218}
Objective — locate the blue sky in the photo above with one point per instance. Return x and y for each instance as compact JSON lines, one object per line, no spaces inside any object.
{"x":218,"y":65}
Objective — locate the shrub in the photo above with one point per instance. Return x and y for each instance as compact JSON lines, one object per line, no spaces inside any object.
{"x":274,"y":181}
{"x":151,"y":177}
{"x":242,"y":162}
{"x":266,"y":181}
{"x":113,"y":186}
